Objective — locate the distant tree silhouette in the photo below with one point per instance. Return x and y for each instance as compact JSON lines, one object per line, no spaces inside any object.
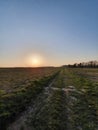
{"x":90,"y":64}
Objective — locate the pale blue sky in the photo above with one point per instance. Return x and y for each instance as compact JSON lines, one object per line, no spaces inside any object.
{"x":60,"y":31}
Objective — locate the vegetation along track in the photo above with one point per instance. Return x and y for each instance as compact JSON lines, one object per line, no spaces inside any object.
{"x":14,"y":103}
{"x":70,"y":102}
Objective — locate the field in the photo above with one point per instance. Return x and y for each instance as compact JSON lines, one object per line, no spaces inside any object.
{"x":49,"y":99}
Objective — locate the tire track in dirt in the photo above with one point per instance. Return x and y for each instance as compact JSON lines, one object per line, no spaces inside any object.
{"x":38,"y":106}
{"x":20,"y":123}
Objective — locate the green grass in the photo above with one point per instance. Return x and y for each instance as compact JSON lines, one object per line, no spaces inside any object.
{"x":12,"y":104}
{"x":83,"y":110}
{"x":53,"y":114}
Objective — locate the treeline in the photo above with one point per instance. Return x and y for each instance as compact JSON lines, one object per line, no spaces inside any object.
{"x":90,"y":64}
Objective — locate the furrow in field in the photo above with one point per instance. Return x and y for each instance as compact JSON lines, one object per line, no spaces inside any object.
{"x":66,"y":104}
{"x":35,"y":107}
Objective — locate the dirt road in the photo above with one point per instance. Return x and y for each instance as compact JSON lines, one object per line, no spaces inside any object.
{"x":35,"y":106}
{"x":56,"y":108}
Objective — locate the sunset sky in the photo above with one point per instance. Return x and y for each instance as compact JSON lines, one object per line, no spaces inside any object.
{"x":48,"y":32}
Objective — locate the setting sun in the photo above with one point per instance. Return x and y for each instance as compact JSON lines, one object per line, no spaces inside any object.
{"x":34,"y":60}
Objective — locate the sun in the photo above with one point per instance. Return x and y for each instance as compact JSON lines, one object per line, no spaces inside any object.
{"x":34,"y":60}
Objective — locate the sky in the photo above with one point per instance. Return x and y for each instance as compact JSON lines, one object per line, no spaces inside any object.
{"x":48,"y":32}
